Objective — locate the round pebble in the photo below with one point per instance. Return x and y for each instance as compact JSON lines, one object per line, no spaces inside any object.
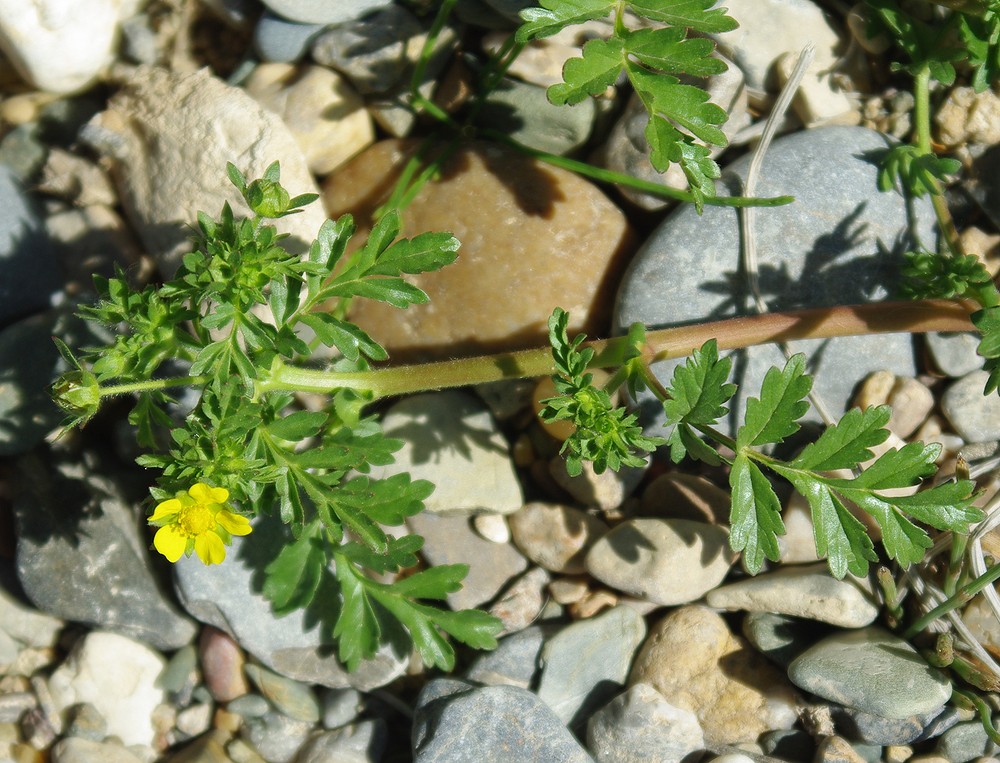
{"x":554,"y":536}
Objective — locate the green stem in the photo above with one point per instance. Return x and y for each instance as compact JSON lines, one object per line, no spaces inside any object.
{"x":964,"y":594}
{"x":818,"y":323}
{"x":982,"y":709}
{"x":152,"y":384}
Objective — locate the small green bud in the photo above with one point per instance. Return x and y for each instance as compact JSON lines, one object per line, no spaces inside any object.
{"x":78,"y":393}
{"x":267,"y":198}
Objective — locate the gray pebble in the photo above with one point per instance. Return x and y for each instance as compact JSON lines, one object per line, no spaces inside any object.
{"x":362,"y":742}
{"x":323,"y":11}
{"x":838,"y":243}
{"x":292,"y":698}
{"x":780,"y":637}
{"x":276,"y":737}
{"x":340,"y":706}
{"x":76,"y":750}
{"x":23,"y":152}
{"x":249,"y":706}
{"x":975,"y":416}
{"x":513,"y":663}
{"x":281,"y":41}
{"x":859,"y":726}
{"x":954,"y":354}
{"x":964,"y":742}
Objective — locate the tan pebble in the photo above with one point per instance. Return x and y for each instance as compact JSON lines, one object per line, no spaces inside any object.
{"x":911,"y":403}
{"x":592,"y":604}
{"x":985,"y":245}
{"x":554,"y":536}
{"x":568,"y":590}
{"x":605,"y":491}
{"x":797,"y":545}
{"x":522,"y":451}
{"x":897,"y":753}
{"x":836,"y":749}
{"x":25,"y":107}
{"x":966,"y":116}
{"x":521,"y":604}
{"x":874,"y":390}
{"x":493,"y":527}
{"x":686,"y":496}
{"x":533,"y":237}
{"x":226,"y":721}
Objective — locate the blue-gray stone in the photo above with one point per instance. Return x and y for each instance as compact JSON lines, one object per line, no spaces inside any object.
{"x":363,"y":742}
{"x":291,"y":698}
{"x":23,"y":151}
{"x":949,"y":717}
{"x":966,"y":741}
{"x":80,"y":553}
{"x":340,"y":706}
{"x":780,"y":638}
{"x":298,"y":645}
{"x":29,"y":363}
{"x":858,"y":726}
{"x":492,"y":724}
{"x":275,"y":736}
{"x":587,"y":663}
{"x":513,"y":663}
{"x":954,"y":354}
{"x":281,"y":41}
{"x":874,"y":671}
{"x":324,"y":11}
{"x":788,"y":744}
{"x":524,"y":112}
{"x":840,"y":242}
{"x":975,"y":416}
{"x":29,"y":270}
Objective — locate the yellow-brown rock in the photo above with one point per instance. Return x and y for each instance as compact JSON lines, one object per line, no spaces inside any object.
{"x":534,"y":237}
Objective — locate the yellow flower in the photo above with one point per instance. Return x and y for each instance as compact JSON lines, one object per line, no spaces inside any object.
{"x":197,"y":521}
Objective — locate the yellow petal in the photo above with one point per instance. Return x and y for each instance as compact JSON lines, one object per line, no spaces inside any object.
{"x":201,"y":493}
{"x":236,"y":524}
{"x":209,"y":547}
{"x":165,"y":509}
{"x":170,"y":541}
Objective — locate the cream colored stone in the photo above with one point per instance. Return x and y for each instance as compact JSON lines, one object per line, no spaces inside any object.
{"x":696,"y":663}
{"x":686,"y":496}
{"x":818,"y":100}
{"x":533,"y":237}
{"x":326,"y":116}
{"x":966,"y":116}
{"x":555,"y":537}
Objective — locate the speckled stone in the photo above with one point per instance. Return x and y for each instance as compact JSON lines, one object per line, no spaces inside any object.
{"x":975,"y":416}
{"x":533,"y":237}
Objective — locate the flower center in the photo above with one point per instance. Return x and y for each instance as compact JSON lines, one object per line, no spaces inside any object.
{"x":197,"y":519}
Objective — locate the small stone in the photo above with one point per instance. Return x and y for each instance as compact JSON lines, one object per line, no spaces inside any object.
{"x":278,"y":40}
{"x":587,"y":662}
{"x":607,"y":490}
{"x":275,"y":736}
{"x":808,"y":592}
{"x":788,"y":744}
{"x":555,"y":536}
{"x":839,"y":223}
{"x":450,"y":439}
{"x":222,"y":663}
{"x":911,"y":403}
{"x":323,"y":113}
{"x":667,"y":561}
{"x":492,"y":527}
{"x":686,"y":496}
{"x":23,"y":153}
{"x":61,"y":46}
{"x":76,"y":180}
{"x":798,"y":544}
{"x":640,"y":725}
{"x":340,"y":706}
{"x":500,"y":723}
{"x":506,"y":210}
{"x":819,"y":100}
{"x":975,"y":416}
{"x":249,"y":706}
{"x":289,"y":697}
{"x":15,"y":704}
{"x":242,"y":752}
{"x":966,"y":116}
{"x":859,"y":726}
{"x":692,"y":659}
{"x":521,"y":604}
{"x":513,"y":663}
{"x":191,"y":126}
{"x":117,"y":676}
{"x":26,"y":624}
{"x":323,"y":11}
{"x":780,"y":637}
{"x":568,"y":590}
{"x":77,"y":750}
{"x":451,"y":540}
{"x":836,"y":749}
{"x":194,"y":719}
{"x":86,"y":721}
{"x":363,"y":742}
{"x":871,"y":670}
{"x":965,"y":742}
{"x":954,"y":354}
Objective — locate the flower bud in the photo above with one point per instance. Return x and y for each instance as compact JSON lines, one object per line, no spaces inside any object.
{"x":78,"y":393}
{"x":267,"y":198}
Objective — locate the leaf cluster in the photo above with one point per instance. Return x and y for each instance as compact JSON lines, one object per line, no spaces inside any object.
{"x":682,"y":122}
{"x":604,"y":434}
{"x":240,"y":305}
{"x":908,"y":169}
{"x":827,"y":472}
{"x":930,"y":275}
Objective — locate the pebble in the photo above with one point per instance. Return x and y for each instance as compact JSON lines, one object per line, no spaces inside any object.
{"x":965,"y":116}
{"x":824,"y":249}
{"x":965,"y":742}
{"x":362,"y":742}
{"x":954,"y":354}
{"x":693,"y":660}
{"x":523,"y":112}
{"x":555,"y":536}
{"x":276,"y":737}
{"x":499,"y":723}
{"x":586,"y":663}
{"x":627,"y":150}
{"x":513,"y":663}
{"x":222,"y":662}
{"x":77,"y":750}
{"x":667,"y":561}
{"x":191,"y":125}
{"x":836,"y":749}
{"x":451,"y":540}
{"x":323,"y":11}
{"x":451,"y":440}
{"x":62,"y":45}
{"x":911,"y":401}
{"x":80,"y":555}
{"x":340,"y":706}
{"x":808,"y":592}
{"x":542,"y":60}
{"x":371,"y":51}
{"x":798,"y":544}
{"x":780,"y":637}
{"x":22,"y":152}
{"x":323,"y":113}
{"x":975,"y":416}
{"x":686,"y":496}
{"x":298,"y":645}
{"x":859,"y":726}
{"x":279,"y":40}
{"x":788,"y":744}
{"x":606,"y":491}
{"x":523,"y":601}
{"x":873,"y":671}
{"x":76,"y":180}
{"x":29,"y":277}
{"x":819,"y":99}
{"x":27,"y":625}
{"x":492,"y":527}
{"x":639,"y":726}
{"x":117,"y":675}
{"x":291,"y":698}
{"x":516,"y":218}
